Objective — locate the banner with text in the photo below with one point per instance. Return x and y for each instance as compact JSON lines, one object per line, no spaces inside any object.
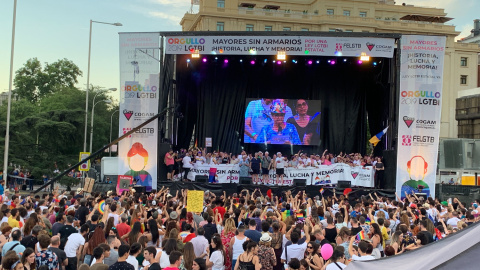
{"x":292,"y":45}
{"x":421,"y":81}
{"x":324,"y":175}
{"x":139,"y":80}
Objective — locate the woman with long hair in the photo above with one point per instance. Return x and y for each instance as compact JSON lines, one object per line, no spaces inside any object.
{"x":153,"y":235}
{"x":226,"y":236}
{"x":5,"y":236}
{"x":312,"y":257}
{"x":248,"y":260}
{"x":216,"y":254}
{"x":277,"y":240}
{"x":188,"y":257}
{"x":170,"y":226}
{"x":199,"y":264}
{"x":28,"y":259}
{"x":110,"y":225}
{"x":343,"y":239}
{"x":396,"y":242}
{"x":11,"y":261}
{"x":376,"y":237}
{"x":29,"y":224}
{"x":134,"y":234}
{"x":307,"y":126}
{"x":170,"y":245}
{"x":97,"y":238}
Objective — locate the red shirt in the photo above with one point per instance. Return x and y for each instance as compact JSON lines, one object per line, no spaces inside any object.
{"x":123,"y":228}
{"x":220,"y":210}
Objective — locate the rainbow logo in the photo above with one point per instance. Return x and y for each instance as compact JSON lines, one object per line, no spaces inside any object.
{"x":101,"y":207}
{"x":360,"y":235}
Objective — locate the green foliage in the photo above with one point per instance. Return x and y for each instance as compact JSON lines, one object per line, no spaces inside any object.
{"x":48,"y":119}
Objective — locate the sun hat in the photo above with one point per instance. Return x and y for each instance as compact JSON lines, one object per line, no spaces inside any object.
{"x":173,"y":215}
{"x":265,"y":238}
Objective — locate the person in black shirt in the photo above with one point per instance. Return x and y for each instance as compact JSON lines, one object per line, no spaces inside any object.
{"x":82,"y":212}
{"x":149,"y":254}
{"x":31,"y":240}
{"x":255,"y":165}
{"x":65,"y":232}
{"x":210,"y":228}
{"x":122,"y":264}
{"x":62,"y":257}
{"x":355,"y":226}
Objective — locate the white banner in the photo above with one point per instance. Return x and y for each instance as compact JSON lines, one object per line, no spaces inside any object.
{"x":421,"y":80}
{"x":324,"y":175}
{"x":292,"y":45}
{"x":139,"y":79}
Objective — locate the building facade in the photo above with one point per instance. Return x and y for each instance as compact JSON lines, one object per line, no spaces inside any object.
{"x":368,"y":16}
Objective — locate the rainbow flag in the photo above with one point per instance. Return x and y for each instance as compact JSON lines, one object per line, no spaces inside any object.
{"x":368,"y":221}
{"x":360,"y":235}
{"x":300,"y":216}
{"x":321,"y":191}
{"x":286,"y":214}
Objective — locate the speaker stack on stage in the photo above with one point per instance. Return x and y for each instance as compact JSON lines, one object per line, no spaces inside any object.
{"x":299,"y":182}
{"x":201,"y":178}
{"x":245,"y":180}
{"x":344,"y":184}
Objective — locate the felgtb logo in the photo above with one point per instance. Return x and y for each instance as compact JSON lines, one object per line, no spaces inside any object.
{"x":406,"y":140}
{"x":339,"y":47}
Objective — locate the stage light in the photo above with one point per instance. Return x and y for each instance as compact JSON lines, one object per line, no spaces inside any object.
{"x":307,"y":52}
{"x":345,"y":60}
{"x":294,"y":61}
{"x":188,"y":60}
{"x":214,"y":52}
{"x":241,"y":60}
{"x":360,"y":62}
{"x":216,"y":58}
{"x":225,"y":61}
{"x":337,"y":53}
{"x":281,"y":55}
{"x":274,"y":61}
{"x":204,"y":60}
{"x":318,"y":62}
{"x":252,"y":62}
{"x":279,"y":62}
{"x":195,"y":54}
{"x":265,"y":61}
{"x":364,"y":57}
{"x":221,"y":50}
{"x":329,"y":61}
{"x":374,"y":63}
{"x":332,"y":62}
{"x":310,"y":62}
{"x":252,"y":51}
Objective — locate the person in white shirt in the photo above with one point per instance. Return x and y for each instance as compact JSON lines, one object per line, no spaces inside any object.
{"x":295,"y":250}
{"x":362,"y":250}
{"x":453,"y":220}
{"x":337,"y":261}
{"x":135,"y":249}
{"x":187,"y":165}
{"x":113,"y":209}
{"x":6,"y":215}
{"x":279,"y":166}
{"x":74,"y":246}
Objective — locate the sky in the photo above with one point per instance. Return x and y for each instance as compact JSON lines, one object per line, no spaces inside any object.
{"x":55,"y":29}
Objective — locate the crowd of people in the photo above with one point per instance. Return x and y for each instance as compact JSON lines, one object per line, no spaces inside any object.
{"x":259,"y":164}
{"x":243,"y":231}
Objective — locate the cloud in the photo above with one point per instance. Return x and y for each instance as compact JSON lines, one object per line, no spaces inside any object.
{"x":466,"y":28}
{"x":177,"y":3}
{"x":162,"y":15}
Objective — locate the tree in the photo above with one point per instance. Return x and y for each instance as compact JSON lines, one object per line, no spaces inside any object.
{"x":32,"y":82}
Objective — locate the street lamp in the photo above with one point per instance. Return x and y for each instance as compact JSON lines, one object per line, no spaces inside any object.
{"x":88,"y":80}
{"x":93,"y":111}
{"x":7,"y":134}
{"x":111,"y":121}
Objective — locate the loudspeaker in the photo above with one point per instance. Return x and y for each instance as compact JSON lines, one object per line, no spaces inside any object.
{"x":140,"y":189}
{"x":201,"y":178}
{"x":162,"y":168}
{"x":390,"y":172}
{"x":453,"y":154}
{"x":299,"y":182}
{"x":245,"y":180}
{"x":344,"y":184}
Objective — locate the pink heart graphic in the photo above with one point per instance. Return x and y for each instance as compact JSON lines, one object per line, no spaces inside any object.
{"x":354,"y":175}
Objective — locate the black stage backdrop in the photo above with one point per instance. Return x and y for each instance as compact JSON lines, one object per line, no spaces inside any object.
{"x":212,"y":97}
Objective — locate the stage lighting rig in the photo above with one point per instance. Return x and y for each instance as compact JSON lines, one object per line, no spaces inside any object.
{"x":281,"y":55}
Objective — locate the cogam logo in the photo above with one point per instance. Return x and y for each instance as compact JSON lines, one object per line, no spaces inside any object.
{"x":370,"y":46}
{"x":408,"y":121}
{"x":354,"y":175}
{"x":128,"y":114}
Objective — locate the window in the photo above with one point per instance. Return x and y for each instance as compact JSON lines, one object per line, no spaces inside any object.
{"x":268,"y":28}
{"x":249,"y":27}
{"x":305,"y":29}
{"x":349,"y":31}
{"x":220,"y":3}
{"x":363,"y":14}
{"x":346,"y":13}
{"x":463,"y":79}
{"x":286,"y":29}
{"x":330,"y":12}
{"x":332,"y":30}
{"x":220,"y":26}
{"x":463,"y":61}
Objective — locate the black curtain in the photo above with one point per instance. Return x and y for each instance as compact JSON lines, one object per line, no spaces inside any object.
{"x":212,"y":98}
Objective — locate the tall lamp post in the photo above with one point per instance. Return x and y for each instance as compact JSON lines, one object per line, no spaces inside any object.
{"x":88,"y":80}
{"x":111,"y":121}
{"x":93,"y":111}
{"x":7,"y":134}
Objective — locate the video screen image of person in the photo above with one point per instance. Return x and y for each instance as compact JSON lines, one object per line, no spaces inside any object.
{"x":271,"y":121}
